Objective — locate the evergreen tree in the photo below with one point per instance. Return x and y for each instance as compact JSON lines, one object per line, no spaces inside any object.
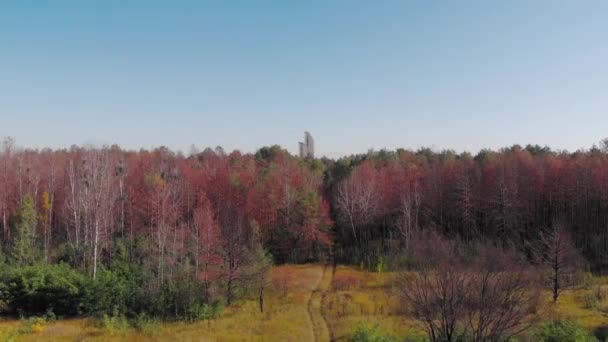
{"x":261,"y":263}
{"x":24,"y":246}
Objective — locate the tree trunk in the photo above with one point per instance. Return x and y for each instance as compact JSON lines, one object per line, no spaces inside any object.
{"x":96,"y":240}
{"x":262,"y":297}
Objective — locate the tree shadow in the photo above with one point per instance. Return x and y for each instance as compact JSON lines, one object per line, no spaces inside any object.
{"x":601,"y":333}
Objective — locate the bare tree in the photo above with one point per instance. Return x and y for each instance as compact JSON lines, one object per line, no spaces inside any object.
{"x":465,"y":203}
{"x":235,"y":233}
{"x":486,"y":293}
{"x":206,"y":240}
{"x":357,"y":201}
{"x":408,"y":213}
{"x":97,"y":200}
{"x":6,"y":184}
{"x":502,"y":294}
{"x":436,"y":288}
{"x":559,"y":256}
{"x":604,"y":145}
{"x":73,"y":205}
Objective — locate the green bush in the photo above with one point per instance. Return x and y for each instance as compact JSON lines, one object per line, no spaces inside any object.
{"x":60,"y":290}
{"x":32,"y":325}
{"x":111,"y":292}
{"x":201,"y":312}
{"x":370,"y":333}
{"x":50,"y":316}
{"x":115,"y":323}
{"x":36,"y":289}
{"x":121,"y":292}
{"x":146,"y":324}
{"x":564,"y":331}
{"x":381,"y":264}
{"x":183,"y":300}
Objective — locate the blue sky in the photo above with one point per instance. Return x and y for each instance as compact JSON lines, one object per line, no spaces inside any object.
{"x":356,"y":74}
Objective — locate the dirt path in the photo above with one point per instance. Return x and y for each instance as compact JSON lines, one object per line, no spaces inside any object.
{"x":321,"y":330}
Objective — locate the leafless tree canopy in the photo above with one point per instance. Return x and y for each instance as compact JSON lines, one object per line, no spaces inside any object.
{"x":484,"y":292}
{"x":559,"y":258}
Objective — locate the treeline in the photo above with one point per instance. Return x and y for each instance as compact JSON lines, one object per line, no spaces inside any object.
{"x":190,"y":231}
{"x":511,"y":196}
{"x":185,"y":231}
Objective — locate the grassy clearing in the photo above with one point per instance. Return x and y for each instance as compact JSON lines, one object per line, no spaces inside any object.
{"x":368,"y":297}
{"x":320,"y":327}
{"x":286,"y":319}
{"x":344,"y":299}
{"x":364,"y":297}
{"x":587,"y":305}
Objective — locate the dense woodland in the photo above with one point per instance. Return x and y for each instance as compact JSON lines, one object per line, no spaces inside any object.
{"x":103,"y":230}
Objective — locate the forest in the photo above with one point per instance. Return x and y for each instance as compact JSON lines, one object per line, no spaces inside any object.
{"x":156,"y":234}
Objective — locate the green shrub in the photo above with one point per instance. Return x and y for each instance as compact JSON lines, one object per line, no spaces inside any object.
{"x":183,"y":300}
{"x":32,"y":325}
{"x":108,"y":294}
{"x":381,"y":264}
{"x":115,"y":323}
{"x":147,"y":325}
{"x":564,"y":331}
{"x":36,"y":289}
{"x":370,"y":333}
{"x":50,"y":316}
{"x":205,"y":311}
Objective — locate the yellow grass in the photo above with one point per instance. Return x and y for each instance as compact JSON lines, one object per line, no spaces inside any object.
{"x":370,"y":299}
{"x":315,"y":306}
{"x":572,"y":305}
{"x":286,"y":319}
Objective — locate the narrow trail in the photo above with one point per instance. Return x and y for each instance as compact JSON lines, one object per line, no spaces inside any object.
{"x":320,"y":328}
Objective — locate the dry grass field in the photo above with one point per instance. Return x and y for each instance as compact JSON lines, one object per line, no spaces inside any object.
{"x":307,"y":303}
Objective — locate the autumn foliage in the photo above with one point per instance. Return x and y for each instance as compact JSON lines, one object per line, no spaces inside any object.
{"x":510,"y":195}
{"x":207,"y":218}
{"x":194,"y":230}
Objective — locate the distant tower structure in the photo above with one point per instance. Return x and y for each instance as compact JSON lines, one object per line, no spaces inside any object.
{"x":310,"y":144}
{"x":307,"y":148}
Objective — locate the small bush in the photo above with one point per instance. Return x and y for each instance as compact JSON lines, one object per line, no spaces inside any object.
{"x":381,"y":264}
{"x":370,"y":333}
{"x":115,"y":323}
{"x":564,"y":331}
{"x":203,"y":312}
{"x":32,"y":325}
{"x":32,"y":290}
{"x":147,"y":325}
{"x":50,"y":316}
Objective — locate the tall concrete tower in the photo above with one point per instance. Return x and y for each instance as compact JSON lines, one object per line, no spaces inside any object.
{"x":310,"y":144}
{"x":307,"y":148}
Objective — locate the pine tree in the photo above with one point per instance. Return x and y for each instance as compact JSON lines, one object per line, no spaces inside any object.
{"x":24,"y":247}
{"x":261,"y":263}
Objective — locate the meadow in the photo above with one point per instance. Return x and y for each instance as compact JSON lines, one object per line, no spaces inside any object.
{"x":309,"y":302}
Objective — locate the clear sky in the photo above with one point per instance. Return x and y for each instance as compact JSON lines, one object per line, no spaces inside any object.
{"x":356,"y":74}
